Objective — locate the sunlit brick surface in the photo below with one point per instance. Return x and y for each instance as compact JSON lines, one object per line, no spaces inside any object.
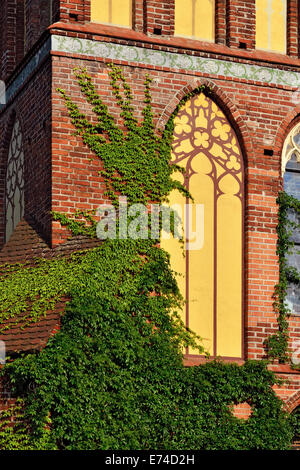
{"x":60,"y":176}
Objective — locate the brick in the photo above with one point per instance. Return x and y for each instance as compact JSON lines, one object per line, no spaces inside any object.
{"x":61,"y":177}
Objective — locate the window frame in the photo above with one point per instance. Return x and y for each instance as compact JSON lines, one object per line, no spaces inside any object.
{"x":291,"y":148}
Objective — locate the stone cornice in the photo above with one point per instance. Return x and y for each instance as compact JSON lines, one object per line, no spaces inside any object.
{"x":196,"y":58}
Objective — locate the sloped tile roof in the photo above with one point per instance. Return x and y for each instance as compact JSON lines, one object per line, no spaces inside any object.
{"x":24,"y":245}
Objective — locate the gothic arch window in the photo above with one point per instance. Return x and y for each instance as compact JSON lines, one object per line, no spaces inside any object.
{"x":195,"y":19}
{"x":211,"y":279}
{"x":14,"y":198}
{"x":271,"y":25}
{"x":291,"y":185}
{"x":116,"y":12}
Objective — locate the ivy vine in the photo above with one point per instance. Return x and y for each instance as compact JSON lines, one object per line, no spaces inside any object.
{"x":136,"y":162}
{"x":113,"y":376}
{"x":277,"y":344}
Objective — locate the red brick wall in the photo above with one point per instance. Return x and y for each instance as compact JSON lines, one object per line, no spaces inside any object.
{"x":78,"y":11}
{"x":11,"y":36}
{"x":60,"y":175}
{"x":256,"y":111}
{"x":242,"y":411}
{"x":292,"y":28}
{"x":21,"y":27}
{"x":159,"y":17}
{"x":37,"y":19}
{"x":33,"y":109}
{"x":221,"y":17}
{"x":55,"y":11}
{"x":76,"y":183}
{"x":241,"y":23}
{"x":6,"y":399}
{"x":288,"y":391}
{"x":235,"y":23}
{"x":138,"y":15}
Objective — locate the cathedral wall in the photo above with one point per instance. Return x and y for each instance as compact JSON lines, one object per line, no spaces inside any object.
{"x":32,"y":107}
{"x":258,"y":91}
{"x":256,"y":110}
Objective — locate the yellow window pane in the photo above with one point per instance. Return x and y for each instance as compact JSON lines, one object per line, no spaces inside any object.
{"x":278,"y":26}
{"x":262,"y":24}
{"x":201,"y":261}
{"x":195,"y":19}
{"x":117,"y":12}
{"x":206,"y":146}
{"x":271,"y":25}
{"x":229,"y":275}
{"x":173,"y":245}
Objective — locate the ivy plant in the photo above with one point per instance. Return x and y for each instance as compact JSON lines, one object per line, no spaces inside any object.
{"x":277,"y":344}
{"x":113,"y":376}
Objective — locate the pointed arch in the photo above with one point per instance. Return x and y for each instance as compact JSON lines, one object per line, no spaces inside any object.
{"x":221,"y":98}
{"x":206,"y":144}
{"x":284,"y":128}
{"x":291,"y":146}
{"x":293,"y":402}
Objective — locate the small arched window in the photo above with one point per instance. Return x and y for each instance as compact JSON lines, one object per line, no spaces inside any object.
{"x":14,"y":205}
{"x":115,"y":12}
{"x":195,"y":19}
{"x":291,"y":185}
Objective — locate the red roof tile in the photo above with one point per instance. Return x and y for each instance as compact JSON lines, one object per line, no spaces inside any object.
{"x":24,"y":245}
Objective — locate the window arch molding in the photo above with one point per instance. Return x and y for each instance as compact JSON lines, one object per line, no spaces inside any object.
{"x":179,"y":101}
{"x":293,"y":402}
{"x":224,"y":102}
{"x":291,"y":145}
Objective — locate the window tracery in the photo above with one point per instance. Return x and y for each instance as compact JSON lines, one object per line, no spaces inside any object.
{"x":14,"y":181}
{"x":207,"y":147}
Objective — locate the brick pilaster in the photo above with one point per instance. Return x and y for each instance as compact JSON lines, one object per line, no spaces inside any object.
{"x":159,"y":17}
{"x":11,"y":36}
{"x":37,"y":19}
{"x":292,"y":28}
{"x":220,"y":21}
{"x":77,"y":11}
{"x":241,"y":18}
{"x":138,"y":15}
